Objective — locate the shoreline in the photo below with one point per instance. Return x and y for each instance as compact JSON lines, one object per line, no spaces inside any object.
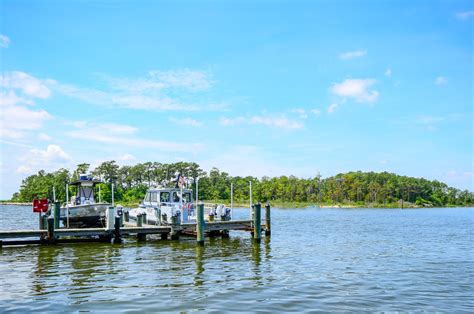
{"x":278,"y":205}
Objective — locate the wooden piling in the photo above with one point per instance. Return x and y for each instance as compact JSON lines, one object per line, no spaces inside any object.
{"x":158,"y":215}
{"x":267,"y":220}
{"x":141,"y":237}
{"x":144,"y":218}
{"x":257,"y":223}
{"x":57,"y":211}
{"x":139,"y":220}
{"x":51,"y":235}
{"x":126,"y":216}
{"x":200,"y":225}
{"x":174,"y":228}
{"x":117,"y":225}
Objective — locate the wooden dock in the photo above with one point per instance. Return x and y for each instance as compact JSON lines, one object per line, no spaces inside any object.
{"x":124,"y":228}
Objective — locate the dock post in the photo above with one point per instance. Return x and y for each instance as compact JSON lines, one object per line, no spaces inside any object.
{"x":158,"y":216}
{"x":109,"y":218}
{"x":117,"y":239}
{"x":57,"y":211}
{"x":174,"y":225}
{"x":267,"y":220}
{"x":144,"y":218}
{"x":200,"y":225}
{"x":257,"y":223}
{"x":126,"y":216}
{"x":51,"y":236}
{"x":139,"y":220}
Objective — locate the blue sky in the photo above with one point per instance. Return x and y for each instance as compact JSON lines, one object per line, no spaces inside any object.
{"x":267,"y":88}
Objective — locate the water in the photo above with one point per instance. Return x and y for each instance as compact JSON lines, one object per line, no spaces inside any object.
{"x":316,"y":259}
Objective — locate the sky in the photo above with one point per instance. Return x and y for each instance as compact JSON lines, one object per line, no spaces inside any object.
{"x":252,"y":88}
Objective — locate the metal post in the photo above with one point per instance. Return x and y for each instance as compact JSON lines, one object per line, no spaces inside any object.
{"x":54,"y":194}
{"x":117,"y":224}
{"x":57,"y":211}
{"x":67,"y":205}
{"x":99,"y":195}
{"x":200,"y":224}
{"x":250,"y":194}
{"x":267,"y":220}
{"x":257,"y":223}
{"x":231,"y":195}
{"x":197,"y":190}
{"x":113,"y":194}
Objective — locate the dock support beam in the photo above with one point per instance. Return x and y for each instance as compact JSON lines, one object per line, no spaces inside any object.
{"x":139,"y":220}
{"x":257,"y":222}
{"x":268,"y":230}
{"x":51,"y":236}
{"x":126,"y":216}
{"x":117,"y":238}
{"x":57,"y":211}
{"x":200,"y":225}
{"x":174,"y":228}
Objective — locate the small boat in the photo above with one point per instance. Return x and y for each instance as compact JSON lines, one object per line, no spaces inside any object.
{"x":83,"y":211}
{"x":164,"y":206}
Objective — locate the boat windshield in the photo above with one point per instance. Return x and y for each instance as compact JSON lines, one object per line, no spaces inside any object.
{"x":186,"y":197}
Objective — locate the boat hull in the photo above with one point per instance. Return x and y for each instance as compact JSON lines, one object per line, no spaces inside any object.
{"x":84,"y":216}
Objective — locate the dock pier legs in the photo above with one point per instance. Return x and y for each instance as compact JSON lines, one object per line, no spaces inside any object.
{"x":257,"y":222}
{"x":117,"y":238}
{"x":51,"y":235}
{"x":200,"y":225}
{"x":267,"y":220}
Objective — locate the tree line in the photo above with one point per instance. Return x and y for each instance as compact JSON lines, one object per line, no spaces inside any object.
{"x":131,"y":183}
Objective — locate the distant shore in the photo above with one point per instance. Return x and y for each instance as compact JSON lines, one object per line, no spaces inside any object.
{"x":279,"y":204}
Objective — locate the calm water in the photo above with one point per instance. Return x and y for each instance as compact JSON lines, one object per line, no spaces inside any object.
{"x":316,"y":259}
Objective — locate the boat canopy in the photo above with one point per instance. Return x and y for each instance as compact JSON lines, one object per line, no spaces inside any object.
{"x":167,"y":195}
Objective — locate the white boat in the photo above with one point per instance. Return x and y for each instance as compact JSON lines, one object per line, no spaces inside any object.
{"x":163,"y":206}
{"x":83,"y":211}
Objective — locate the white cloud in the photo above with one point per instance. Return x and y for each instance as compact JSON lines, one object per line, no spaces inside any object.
{"x":441,"y":80}
{"x":28,"y":84}
{"x":464,"y":16}
{"x":332,"y":108}
{"x":186,"y":121}
{"x":388,"y":73}
{"x":189,"y":79}
{"x":51,"y":153}
{"x":127,"y":157}
{"x":278,"y":122}
{"x":16,"y":119}
{"x":429,"y":119}
{"x":430,"y":122}
{"x":4,"y":41}
{"x":155,"y":94}
{"x":44,"y":137}
{"x":10,"y":98}
{"x":50,"y":159}
{"x":118,"y":128}
{"x":121,"y":135}
{"x":358,"y":89}
{"x":352,"y":54}
{"x":23,"y":169}
{"x":301,"y":112}
{"x":316,"y":112}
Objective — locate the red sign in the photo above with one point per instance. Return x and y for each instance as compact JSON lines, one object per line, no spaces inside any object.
{"x":40,"y":205}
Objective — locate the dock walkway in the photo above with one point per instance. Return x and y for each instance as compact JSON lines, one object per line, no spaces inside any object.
{"x":122,"y":227}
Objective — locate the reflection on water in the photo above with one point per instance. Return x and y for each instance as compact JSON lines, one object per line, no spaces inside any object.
{"x":357,"y":260}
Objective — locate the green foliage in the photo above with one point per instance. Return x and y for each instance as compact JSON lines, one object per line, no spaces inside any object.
{"x":131,"y":183}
